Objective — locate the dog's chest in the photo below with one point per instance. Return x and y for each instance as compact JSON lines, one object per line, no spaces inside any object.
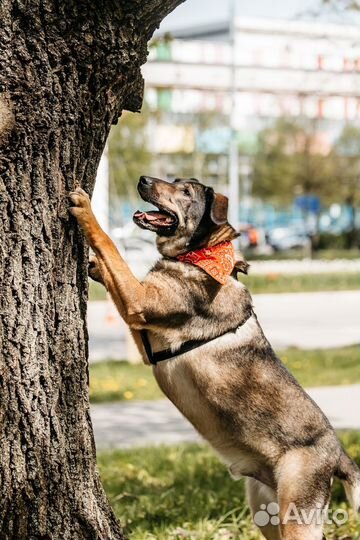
{"x":178,"y":382}
{"x":189,"y":390}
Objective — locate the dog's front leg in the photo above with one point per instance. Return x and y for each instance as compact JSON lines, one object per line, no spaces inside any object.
{"x":94,"y":270}
{"x":126,"y":291}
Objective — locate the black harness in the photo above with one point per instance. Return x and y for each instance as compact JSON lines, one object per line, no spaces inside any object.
{"x":167,"y":354}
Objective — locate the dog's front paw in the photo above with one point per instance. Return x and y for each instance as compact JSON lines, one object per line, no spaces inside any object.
{"x":80,"y":200}
{"x":82,"y":207}
{"x":94,"y":270}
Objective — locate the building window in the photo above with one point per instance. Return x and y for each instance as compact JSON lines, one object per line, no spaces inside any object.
{"x":163,"y":50}
{"x":164,"y":99}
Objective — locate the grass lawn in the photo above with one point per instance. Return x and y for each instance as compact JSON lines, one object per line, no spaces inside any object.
{"x":324,"y":367}
{"x":184,"y":492}
{"x":280,"y":283}
{"x":96,"y":291}
{"x":119,"y":381}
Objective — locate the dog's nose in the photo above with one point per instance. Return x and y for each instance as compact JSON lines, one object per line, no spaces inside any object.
{"x":145,"y":181}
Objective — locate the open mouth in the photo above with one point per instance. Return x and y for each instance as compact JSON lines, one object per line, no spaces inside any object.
{"x":156,"y":220}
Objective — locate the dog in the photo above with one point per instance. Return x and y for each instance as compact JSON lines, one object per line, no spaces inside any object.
{"x":195,"y":323}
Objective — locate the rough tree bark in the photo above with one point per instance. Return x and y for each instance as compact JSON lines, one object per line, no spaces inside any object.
{"x":67,"y":69}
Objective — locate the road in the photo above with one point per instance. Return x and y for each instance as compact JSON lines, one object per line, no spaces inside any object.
{"x":304,"y":320}
{"x":310,"y":320}
{"x":122,"y":425}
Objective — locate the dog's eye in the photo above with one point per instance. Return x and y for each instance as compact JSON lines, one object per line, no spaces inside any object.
{"x":187,"y":192}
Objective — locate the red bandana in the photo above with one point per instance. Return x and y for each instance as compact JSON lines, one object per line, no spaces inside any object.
{"x":217,"y":261}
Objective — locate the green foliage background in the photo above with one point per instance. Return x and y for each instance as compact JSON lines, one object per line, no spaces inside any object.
{"x":129,"y":154}
{"x":289,"y":161}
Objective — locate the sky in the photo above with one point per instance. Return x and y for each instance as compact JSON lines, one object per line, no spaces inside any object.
{"x":198,"y":12}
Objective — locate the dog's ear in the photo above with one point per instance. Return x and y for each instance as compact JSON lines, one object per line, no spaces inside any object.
{"x":219,"y":209}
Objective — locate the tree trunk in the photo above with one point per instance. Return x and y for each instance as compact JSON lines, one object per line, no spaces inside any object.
{"x":67,"y":69}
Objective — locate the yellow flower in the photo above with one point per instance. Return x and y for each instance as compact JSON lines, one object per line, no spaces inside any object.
{"x":128,"y":394}
{"x":141,"y":383}
{"x":111,"y":385}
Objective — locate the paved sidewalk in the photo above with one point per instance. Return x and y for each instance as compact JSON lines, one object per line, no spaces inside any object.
{"x":304,"y":320}
{"x":121,"y":425}
{"x":305,"y":266}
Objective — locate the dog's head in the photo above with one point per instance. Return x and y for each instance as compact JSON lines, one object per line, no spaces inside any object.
{"x":190,"y":215}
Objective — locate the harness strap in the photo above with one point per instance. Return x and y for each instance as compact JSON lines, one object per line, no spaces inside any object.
{"x":167,"y":354}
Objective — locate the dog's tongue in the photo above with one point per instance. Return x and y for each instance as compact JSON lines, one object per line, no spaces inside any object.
{"x":153,"y":216}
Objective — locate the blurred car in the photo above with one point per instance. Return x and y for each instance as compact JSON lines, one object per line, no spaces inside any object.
{"x":285,"y":238}
{"x":137,"y":247}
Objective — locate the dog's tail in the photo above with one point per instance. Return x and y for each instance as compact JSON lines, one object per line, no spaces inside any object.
{"x":349,"y":474}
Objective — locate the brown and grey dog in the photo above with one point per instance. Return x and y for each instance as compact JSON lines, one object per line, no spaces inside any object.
{"x":232,"y":387}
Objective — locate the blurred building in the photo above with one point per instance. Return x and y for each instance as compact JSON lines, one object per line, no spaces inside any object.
{"x":282,"y":68}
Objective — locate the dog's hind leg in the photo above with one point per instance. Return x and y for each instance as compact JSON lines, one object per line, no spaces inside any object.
{"x":304,"y":485}
{"x":264,"y":508}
